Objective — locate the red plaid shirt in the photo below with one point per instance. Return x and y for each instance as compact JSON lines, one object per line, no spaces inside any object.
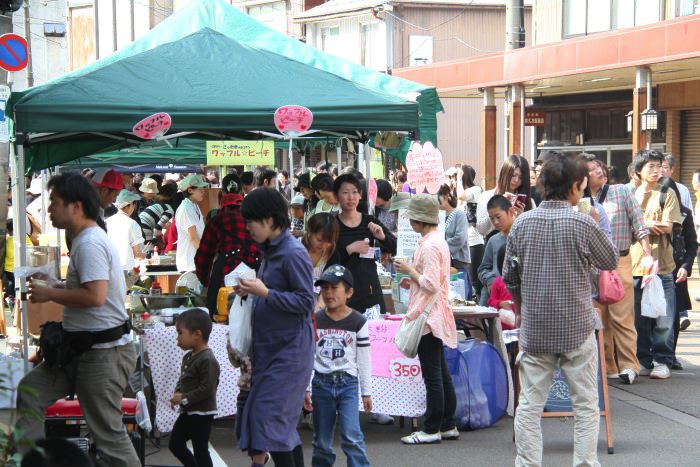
{"x":225,"y":233}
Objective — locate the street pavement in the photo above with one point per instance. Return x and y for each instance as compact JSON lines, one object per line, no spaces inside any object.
{"x":655,"y":423}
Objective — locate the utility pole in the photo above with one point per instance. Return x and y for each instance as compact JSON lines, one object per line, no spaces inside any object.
{"x":515,"y":94}
{"x":28,"y":34}
{"x":131,"y":17}
{"x":96,"y":9}
{"x":114,"y":25}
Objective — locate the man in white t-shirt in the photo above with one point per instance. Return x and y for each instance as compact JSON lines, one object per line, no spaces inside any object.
{"x":93,"y":301}
{"x":189,"y":221}
{"x":125,"y":232}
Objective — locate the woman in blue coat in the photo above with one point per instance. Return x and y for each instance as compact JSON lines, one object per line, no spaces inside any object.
{"x":283,"y":351}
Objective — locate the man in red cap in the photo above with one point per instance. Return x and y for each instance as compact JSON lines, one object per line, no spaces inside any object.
{"x":108,"y":183}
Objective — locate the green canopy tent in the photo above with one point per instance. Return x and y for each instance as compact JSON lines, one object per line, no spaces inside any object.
{"x":208,"y":83}
{"x":230,"y":21}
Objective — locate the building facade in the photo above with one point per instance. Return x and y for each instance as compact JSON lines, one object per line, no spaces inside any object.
{"x":595,"y":69}
{"x":386,"y":36}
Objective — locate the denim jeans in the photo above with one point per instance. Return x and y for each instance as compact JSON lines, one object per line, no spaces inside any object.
{"x":336,"y":395}
{"x":655,"y":335}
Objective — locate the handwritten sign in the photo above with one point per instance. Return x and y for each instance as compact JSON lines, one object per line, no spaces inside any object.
{"x":405,"y":368}
{"x":407,"y":238}
{"x":153,"y":127}
{"x":425,"y":169}
{"x":381,"y":340}
{"x":241,"y":153}
{"x":293,"y":120}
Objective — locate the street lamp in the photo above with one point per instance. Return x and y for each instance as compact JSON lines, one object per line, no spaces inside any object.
{"x":650,"y":119}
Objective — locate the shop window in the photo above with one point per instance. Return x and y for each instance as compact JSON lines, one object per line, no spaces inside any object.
{"x":582,"y":17}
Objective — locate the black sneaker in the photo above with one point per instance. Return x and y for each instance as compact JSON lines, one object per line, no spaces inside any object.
{"x":677,"y":366}
{"x":685,"y":323}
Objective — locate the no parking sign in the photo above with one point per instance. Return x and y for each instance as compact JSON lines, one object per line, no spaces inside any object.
{"x":13,"y":52}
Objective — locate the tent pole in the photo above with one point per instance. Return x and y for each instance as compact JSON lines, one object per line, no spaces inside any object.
{"x":291,"y":158}
{"x":361,"y":157}
{"x":20,"y":208}
{"x":368,"y":154}
{"x":339,"y":154}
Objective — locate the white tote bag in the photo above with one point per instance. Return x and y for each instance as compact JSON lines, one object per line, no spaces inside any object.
{"x":410,"y":332}
{"x":240,"y":326}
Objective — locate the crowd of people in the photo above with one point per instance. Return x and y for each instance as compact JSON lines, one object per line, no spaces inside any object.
{"x":533,"y":247}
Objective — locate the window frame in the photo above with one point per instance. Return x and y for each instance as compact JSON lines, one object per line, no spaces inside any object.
{"x":613,"y":26}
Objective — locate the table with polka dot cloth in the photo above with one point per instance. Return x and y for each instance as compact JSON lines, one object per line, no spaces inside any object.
{"x":165,"y":359}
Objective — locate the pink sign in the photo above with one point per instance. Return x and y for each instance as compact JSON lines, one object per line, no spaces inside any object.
{"x":293,"y":120}
{"x":154,"y":126}
{"x":425,"y":170}
{"x":372,"y":191}
{"x":384,"y":352}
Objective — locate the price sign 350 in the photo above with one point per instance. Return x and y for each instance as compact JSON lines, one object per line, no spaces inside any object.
{"x":405,"y":368}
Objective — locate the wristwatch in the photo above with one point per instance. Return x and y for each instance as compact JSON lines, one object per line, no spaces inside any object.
{"x":184,"y":401}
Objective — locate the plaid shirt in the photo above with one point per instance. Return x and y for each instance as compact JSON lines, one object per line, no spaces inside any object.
{"x":549,"y":254}
{"x":626,"y":217}
{"x":225,"y":233}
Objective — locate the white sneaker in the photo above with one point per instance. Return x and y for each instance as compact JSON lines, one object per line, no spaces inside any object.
{"x":644,"y":371}
{"x":660,"y":371}
{"x":628,"y":376}
{"x":381,"y":419}
{"x":420,"y":437}
{"x":450,"y":434}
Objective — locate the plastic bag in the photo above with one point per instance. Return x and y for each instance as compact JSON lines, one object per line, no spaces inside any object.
{"x":653,"y":297}
{"x":45,"y":273}
{"x":143,"y":419}
{"x":240,"y":326}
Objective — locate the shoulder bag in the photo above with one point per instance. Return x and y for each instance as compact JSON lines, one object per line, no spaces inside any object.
{"x":409,"y":334}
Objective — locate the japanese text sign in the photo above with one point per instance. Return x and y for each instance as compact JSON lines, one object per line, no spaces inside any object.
{"x":535,"y":117}
{"x":293,"y":120}
{"x":153,"y":127}
{"x":425,"y":170}
{"x":384,"y":351}
{"x":241,"y":153}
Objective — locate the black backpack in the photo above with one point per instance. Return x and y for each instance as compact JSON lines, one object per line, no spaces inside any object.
{"x":676,"y":237}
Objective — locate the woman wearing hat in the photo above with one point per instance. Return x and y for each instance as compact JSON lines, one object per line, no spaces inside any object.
{"x":303,"y":186}
{"x":429,"y":284}
{"x":189,"y":221}
{"x":225,"y":242}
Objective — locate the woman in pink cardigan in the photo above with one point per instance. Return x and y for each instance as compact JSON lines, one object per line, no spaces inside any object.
{"x":429,"y":275}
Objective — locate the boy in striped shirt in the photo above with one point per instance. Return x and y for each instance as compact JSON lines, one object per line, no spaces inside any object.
{"x":342,"y":358}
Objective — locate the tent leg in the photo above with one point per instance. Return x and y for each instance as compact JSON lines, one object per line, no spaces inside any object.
{"x":20,"y":207}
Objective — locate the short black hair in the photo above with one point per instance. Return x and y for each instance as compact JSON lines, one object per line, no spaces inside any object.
{"x":247,"y":178}
{"x":670,"y":160}
{"x":346,"y":178}
{"x":353,"y":171}
{"x":285,"y":173}
{"x":158,"y":178}
{"x":644,"y":156}
{"x":384,"y":189}
{"x":72,"y":187}
{"x":167,"y":190}
{"x":263,"y":174}
{"x":322,"y":182}
{"x":195,"y":319}
{"x":56,"y":452}
{"x":231,"y":184}
{"x":558,"y":176}
{"x":264,"y":203}
{"x":499,"y":202}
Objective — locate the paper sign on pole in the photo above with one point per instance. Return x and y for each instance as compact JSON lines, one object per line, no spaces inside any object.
{"x":241,"y":152}
{"x":425,"y":169}
{"x":4,"y":127}
{"x":153,"y":127}
{"x":407,"y":238}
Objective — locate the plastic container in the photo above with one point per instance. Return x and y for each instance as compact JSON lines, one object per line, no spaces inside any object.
{"x":155,"y":288}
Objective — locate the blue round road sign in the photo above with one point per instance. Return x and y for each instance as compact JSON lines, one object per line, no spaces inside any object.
{"x":13,"y":52}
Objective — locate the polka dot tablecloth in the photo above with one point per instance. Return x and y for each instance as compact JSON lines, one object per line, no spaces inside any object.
{"x":165,"y":358}
{"x":400,"y":397}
